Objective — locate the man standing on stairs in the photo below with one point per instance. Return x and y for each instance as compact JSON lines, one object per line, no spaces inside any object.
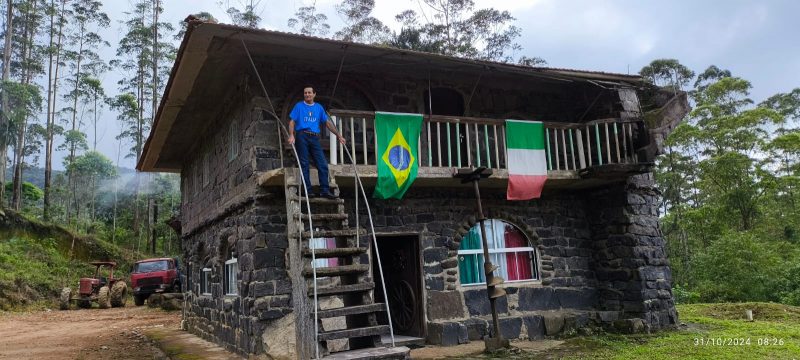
{"x":305,"y":120}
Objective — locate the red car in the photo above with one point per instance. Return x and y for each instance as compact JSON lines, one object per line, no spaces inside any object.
{"x":151,"y":276}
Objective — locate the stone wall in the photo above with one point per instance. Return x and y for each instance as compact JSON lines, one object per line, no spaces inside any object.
{"x":634,"y":278}
{"x":557,"y":227}
{"x":223,"y":210}
{"x":255,"y":232}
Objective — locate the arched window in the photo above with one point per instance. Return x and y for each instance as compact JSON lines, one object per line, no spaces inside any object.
{"x":509,"y":249}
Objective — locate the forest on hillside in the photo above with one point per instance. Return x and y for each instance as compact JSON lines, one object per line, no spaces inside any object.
{"x":729,"y":177}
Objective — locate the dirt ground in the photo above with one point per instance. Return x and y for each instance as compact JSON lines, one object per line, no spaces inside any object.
{"x":83,"y":334}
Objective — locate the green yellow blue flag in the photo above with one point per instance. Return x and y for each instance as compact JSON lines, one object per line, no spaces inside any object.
{"x":397,"y":137}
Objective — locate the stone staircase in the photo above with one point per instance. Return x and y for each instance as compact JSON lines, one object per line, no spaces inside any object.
{"x":347,"y":313}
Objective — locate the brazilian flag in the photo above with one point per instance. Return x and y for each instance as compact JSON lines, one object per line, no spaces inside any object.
{"x":398,"y":136}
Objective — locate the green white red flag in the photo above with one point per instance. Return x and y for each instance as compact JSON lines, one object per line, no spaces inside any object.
{"x":527,"y":161}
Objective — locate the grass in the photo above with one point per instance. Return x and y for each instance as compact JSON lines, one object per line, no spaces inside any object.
{"x":34,"y":271}
{"x":35,"y":266}
{"x":712,"y":331}
{"x":716,"y":325}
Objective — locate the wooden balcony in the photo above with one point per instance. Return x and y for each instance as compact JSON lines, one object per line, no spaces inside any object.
{"x":578,"y":155}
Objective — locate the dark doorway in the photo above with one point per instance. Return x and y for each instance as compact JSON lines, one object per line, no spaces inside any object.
{"x":400,"y":258}
{"x":444,"y":101}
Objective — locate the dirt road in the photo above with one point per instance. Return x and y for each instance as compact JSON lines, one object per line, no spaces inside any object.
{"x":83,"y":334}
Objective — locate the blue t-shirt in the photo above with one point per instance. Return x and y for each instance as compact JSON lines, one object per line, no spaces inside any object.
{"x":308,"y":117}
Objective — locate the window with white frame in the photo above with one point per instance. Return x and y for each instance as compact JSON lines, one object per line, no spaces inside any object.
{"x":509,"y":249}
{"x":233,"y":140}
{"x":231,"y":270}
{"x":205,"y":281}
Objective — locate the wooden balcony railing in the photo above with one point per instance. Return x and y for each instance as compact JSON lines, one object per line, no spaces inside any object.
{"x":447,"y":141}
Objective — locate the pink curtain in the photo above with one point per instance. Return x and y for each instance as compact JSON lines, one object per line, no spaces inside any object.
{"x":519,"y":264}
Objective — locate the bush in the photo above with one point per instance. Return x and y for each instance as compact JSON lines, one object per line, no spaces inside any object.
{"x":684,"y":295}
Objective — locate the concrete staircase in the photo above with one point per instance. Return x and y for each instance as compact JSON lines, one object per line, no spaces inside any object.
{"x":347,"y":312}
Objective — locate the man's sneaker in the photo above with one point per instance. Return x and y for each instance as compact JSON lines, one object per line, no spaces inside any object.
{"x":328,"y":195}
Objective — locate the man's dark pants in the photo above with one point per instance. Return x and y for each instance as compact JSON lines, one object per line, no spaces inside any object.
{"x":308,"y":145}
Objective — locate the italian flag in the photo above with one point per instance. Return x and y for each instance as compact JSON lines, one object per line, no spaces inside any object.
{"x":527,"y":161}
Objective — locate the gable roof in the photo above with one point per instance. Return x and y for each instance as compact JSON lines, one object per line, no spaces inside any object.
{"x":208,"y":41}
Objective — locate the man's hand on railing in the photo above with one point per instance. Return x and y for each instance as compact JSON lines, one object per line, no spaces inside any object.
{"x":342,"y":139}
{"x":290,"y":140}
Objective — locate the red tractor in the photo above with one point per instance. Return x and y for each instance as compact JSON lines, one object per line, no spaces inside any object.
{"x":107,"y":291}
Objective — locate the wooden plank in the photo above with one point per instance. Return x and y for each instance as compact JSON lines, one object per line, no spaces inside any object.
{"x":351,"y":310}
{"x":581,"y":155}
{"x":335,"y":252}
{"x":342,"y":289}
{"x":353,"y":333}
{"x":336,"y":270}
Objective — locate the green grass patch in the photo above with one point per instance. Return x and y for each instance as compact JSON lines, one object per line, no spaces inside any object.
{"x":712,"y":331}
{"x":34,"y":271}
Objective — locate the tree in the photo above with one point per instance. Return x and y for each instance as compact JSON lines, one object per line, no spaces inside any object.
{"x":248,"y":16}
{"x":308,"y":22}
{"x":27,"y":66}
{"x":360,"y":25}
{"x":202,"y":16}
{"x":88,"y":170}
{"x":667,"y":73}
{"x":4,"y":119}
{"x":83,"y":58}
{"x":457,"y":29}
{"x":58,"y":18}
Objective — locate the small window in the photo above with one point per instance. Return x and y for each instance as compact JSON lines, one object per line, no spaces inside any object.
{"x":509,"y":249}
{"x":231,"y":269}
{"x":233,"y":140}
{"x":205,"y":281}
{"x":206,"y":169}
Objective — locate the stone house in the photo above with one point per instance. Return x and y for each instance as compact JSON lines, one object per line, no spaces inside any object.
{"x":588,"y":253}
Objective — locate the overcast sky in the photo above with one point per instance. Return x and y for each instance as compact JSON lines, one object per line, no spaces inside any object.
{"x":757,"y":41}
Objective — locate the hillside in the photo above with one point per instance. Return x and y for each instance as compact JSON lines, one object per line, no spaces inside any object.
{"x":34,"y":260}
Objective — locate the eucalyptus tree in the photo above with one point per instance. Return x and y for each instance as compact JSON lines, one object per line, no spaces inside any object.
{"x":308,"y":21}
{"x":361,"y":26}
{"x":8,"y":29}
{"x":88,"y":171}
{"x":247,"y":13}
{"x":24,"y":100}
{"x":667,"y":73}
{"x":457,"y":28}
{"x":144,"y":54}
{"x":127,"y":111}
{"x":29,"y":66}
{"x":59,"y":14}
{"x":84,"y":43}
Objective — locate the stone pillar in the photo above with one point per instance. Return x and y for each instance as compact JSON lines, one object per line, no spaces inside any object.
{"x":634,"y":278}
